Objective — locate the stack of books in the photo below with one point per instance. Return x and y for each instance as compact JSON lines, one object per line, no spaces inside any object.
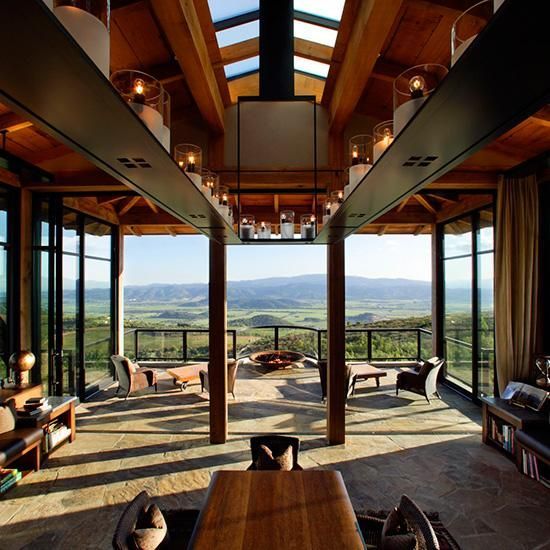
{"x":8,"y":478}
{"x":54,"y":433}
{"x":34,"y":407}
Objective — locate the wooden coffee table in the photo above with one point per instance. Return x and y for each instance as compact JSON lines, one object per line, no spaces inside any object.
{"x":364,"y":371}
{"x":183,"y":375}
{"x":255,"y":509}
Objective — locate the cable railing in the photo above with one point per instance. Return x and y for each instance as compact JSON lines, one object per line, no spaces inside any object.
{"x":362,"y":344}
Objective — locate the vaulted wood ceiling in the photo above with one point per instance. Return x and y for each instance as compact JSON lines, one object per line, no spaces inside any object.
{"x":176,"y":42}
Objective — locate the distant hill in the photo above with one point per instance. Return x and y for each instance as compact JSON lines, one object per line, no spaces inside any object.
{"x":285,"y":292}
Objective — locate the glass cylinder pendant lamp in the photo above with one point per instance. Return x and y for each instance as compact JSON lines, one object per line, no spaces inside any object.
{"x":336,"y":199}
{"x":144,"y":94}
{"x":287,"y":224}
{"x":189,"y":159}
{"x":360,"y":150}
{"x":264,"y":230}
{"x":383,"y":138}
{"x":307,"y":226}
{"x":247,"y":227}
{"x":411,"y":89}
{"x":469,"y":24}
{"x":88,"y":23}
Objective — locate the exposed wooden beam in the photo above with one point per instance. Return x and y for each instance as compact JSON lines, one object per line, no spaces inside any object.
{"x":465,"y":180}
{"x":382,"y":230}
{"x":419,"y":230}
{"x":443,"y":198}
{"x":128,"y":205}
{"x":143,"y":216}
{"x":387,"y":71}
{"x":373,"y":21}
{"x":276,"y":203}
{"x":9,"y":178}
{"x":12,"y":122}
{"x":405,"y":218}
{"x":180,"y":22}
{"x":89,"y":206}
{"x":102,"y":200}
{"x":171,"y":231}
{"x":135,"y":231}
{"x":464,"y":206}
{"x":402,"y":205}
{"x":424,"y":202}
{"x":152,"y":206}
{"x":58,"y":151}
{"x":542,"y":117}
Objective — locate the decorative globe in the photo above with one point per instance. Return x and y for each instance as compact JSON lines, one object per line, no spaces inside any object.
{"x":22,"y":361}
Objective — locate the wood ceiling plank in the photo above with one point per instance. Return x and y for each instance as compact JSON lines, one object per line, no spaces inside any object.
{"x":180,"y":22}
{"x":309,"y":85}
{"x":128,"y":205}
{"x":12,"y":122}
{"x":247,"y":85}
{"x":313,"y":50}
{"x":372,"y":23}
{"x":239,"y":51}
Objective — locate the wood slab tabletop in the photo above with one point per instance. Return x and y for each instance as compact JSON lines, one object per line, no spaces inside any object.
{"x":284,"y":510}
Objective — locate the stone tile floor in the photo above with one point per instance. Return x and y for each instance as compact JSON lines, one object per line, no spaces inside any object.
{"x":159,"y":442}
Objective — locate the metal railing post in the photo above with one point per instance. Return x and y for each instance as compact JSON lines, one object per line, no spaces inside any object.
{"x":369,"y":345}
{"x":319,"y":345}
{"x":184,"y":345}
{"x":234,"y":338}
{"x":136,"y":346}
{"x":276,"y":338}
{"x":418,"y":344}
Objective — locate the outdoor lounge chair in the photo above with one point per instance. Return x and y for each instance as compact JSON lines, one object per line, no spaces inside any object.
{"x":277,"y":444}
{"x":323,"y":372}
{"x":423,"y":381}
{"x":132,"y":377}
{"x":232,"y":366}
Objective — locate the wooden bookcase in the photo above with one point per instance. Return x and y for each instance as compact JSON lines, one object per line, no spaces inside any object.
{"x":499,"y":417}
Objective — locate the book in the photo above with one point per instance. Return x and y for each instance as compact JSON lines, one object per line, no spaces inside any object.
{"x":524,"y":395}
{"x":11,"y":482}
{"x":34,"y":412}
{"x":36,"y":405}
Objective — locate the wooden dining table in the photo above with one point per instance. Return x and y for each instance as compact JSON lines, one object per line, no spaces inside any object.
{"x":284,"y":510}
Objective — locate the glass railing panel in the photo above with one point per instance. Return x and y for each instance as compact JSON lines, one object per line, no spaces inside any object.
{"x":426,"y":345}
{"x":458,"y":356}
{"x":300,"y":340}
{"x":357,"y":345}
{"x":394,"y":345}
{"x":159,"y":345}
{"x":251,"y":340}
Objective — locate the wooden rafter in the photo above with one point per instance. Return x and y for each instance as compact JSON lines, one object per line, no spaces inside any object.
{"x":135,"y":231}
{"x":425,"y":203}
{"x":171,"y":231}
{"x":102,"y":200}
{"x":382,"y":230}
{"x":181,"y":25}
{"x":419,"y":230}
{"x":402,"y":205}
{"x":12,"y":122}
{"x":128,"y":205}
{"x":152,"y":206}
{"x":373,"y":22}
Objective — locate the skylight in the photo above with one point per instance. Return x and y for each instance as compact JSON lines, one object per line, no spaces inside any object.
{"x":239,"y":33}
{"x":241,"y":67}
{"x":312,"y":67}
{"x":315,"y":33}
{"x":330,"y":9}
{"x":224,"y":9}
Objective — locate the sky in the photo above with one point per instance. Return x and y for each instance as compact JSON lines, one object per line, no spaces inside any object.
{"x":184,"y":259}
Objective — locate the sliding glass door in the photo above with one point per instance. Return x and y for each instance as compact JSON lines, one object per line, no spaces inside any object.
{"x":74,"y":324}
{"x":468,"y":314}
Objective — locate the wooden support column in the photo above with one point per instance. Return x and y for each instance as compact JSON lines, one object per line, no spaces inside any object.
{"x":336,"y":335}
{"x":217,"y":367}
{"x":25,"y":271}
{"x":437,"y":293}
{"x":119,"y":342}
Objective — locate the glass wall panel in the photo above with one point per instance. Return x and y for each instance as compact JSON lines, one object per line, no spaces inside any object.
{"x":457,"y":238}
{"x":486,"y":324}
{"x":71,"y":275}
{"x":4,"y":281}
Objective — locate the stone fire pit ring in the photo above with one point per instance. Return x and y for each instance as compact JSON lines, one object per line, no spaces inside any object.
{"x":277,"y":359}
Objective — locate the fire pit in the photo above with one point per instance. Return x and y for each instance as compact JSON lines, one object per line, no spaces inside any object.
{"x":276,"y":359}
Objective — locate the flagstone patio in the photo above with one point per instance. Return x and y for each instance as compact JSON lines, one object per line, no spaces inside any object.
{"x":159,"y":442}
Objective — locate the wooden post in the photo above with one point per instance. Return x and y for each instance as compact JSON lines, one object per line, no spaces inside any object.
{"x":217,"y":367}
{"x":336,"y":335}
{"x":25,"y":271}
{"x":119,"y":342}
{"x":437,"y":294}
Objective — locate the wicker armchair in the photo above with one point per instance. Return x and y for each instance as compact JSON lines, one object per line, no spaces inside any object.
{"x":232,"y":367}
{"x":423,"y":381}
{"x":131,"y":377}
{"x":323,"y":372}
{"x":278,"y":444}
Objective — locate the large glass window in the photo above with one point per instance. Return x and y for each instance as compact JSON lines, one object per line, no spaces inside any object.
{"x":4,"y":281}
{"x":468,"y":315}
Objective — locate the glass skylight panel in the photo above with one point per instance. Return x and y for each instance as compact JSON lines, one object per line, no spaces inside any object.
{"x":241,"y":67}
{"x":312,"y":67}
{"x":329,"y":9}
{"x":314,"y":33}
{"x":225,"y":9}
{"x":238,"y":33}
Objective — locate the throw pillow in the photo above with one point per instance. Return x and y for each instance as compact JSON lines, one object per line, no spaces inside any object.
{"x":394,"y":523}
{"x":151,"y":529}
{"x":425,"y":369}
{"x":266,"y":460}
{"x":7,"y":419}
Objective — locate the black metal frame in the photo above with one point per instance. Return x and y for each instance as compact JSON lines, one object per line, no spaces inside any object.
{"x":315,"y":192}
{"x":474,"y":219}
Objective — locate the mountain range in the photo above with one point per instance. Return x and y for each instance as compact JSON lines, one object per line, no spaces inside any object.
{"x":284,"y":292}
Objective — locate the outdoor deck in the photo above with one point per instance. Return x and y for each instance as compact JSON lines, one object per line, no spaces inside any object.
{"x":160,"y":442}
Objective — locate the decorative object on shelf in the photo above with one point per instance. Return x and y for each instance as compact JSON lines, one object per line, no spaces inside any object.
{"x":264,"y":230}
{"x":307,"y":226}
{"x":189,"y":159}
{"x":327,"y":211}
{"x":208,"y":183}
{"x":20,"y":362}
{"x":360,"y":148}
{"x":336,"y":199}
{"x":411,"y":88}
{"x":542,"y":362}
{"x":88,"y":23}
{"x":166,"y":119}
{"x":382,"y":137}
{"x":247,"y":227}
{"x":469,"y":24}
{"x":221,"y":193}
{"x":287,"y":224}
{"x":144,"y":94}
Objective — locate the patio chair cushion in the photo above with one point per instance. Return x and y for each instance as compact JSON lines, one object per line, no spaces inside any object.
{"x":426,"y":367}
{"x":394,"y":533}
{"x":282,"y":462}
{"x":7,"y":418}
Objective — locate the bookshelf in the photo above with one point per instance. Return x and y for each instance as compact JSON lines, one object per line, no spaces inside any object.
{"x":500,"y":422}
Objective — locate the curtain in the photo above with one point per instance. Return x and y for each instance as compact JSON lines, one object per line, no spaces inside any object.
{"x":516,"y":277}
